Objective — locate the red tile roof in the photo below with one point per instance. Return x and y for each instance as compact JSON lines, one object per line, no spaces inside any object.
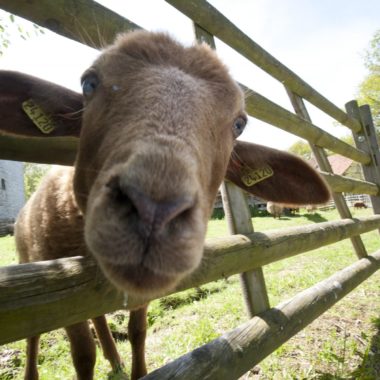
{"x":338,"y":163}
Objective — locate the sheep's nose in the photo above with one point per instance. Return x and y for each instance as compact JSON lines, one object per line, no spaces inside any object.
{"x":152,"y":216}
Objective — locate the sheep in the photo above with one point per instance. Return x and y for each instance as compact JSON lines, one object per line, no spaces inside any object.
{"x":275,"y":209}
{"x":360,"y":205}
{"x":290,"y":210}
{"x":157,"y":136}
{"x":311,"y":208}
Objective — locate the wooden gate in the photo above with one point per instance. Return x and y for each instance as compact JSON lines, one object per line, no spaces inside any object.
{"x":51,"y":289}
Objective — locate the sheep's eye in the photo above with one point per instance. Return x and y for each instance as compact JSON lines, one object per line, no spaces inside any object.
{"x":239,"y":125}
{"x":89,"y":84}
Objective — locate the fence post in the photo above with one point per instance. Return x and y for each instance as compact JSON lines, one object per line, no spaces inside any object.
{"x":238,"y":217}
{"x":324,"y":164}
{"x":366,"y":140}
{"x":239,"y":221}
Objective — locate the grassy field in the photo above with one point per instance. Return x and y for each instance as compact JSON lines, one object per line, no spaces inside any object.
{"x":342,"y":344}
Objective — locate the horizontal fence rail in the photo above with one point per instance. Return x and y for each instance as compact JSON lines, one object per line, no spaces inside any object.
{"x":40,"y":149}
{"x":270,"y":112}
{"x":341,"y":184}
{"x":236,"y":352}
{"x":84,"y":21}
{"x":44,"y":150}
{"x":66,"y":291}
{"x":210,"y":19}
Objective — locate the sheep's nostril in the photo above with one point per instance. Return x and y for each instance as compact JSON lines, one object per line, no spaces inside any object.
{"x":167,"y":212}
{"x":152,"y":216}
{"x":119,"y":196}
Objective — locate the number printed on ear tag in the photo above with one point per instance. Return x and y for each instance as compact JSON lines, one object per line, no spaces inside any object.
{"x":250,"y":177}
{"x":35,"y":113}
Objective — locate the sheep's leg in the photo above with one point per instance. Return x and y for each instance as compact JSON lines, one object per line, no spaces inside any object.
{"x":137,"y":333}
{"x":107,"y":342}
{"x":83,"y":350}
{"x":32,"y":345}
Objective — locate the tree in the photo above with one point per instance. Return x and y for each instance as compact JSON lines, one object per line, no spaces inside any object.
{"x":11,"y":25}
{"x":369,"y":89}
{"x":301,"y":148}
{"x":33,"y":174}
{"x":348,"y":139}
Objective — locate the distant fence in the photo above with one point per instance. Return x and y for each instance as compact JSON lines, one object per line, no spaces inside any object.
{"x":51,"y":289}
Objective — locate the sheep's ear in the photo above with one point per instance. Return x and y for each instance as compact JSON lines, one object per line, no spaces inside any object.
{"x":275,"y":175}
{"x":36,"y":116}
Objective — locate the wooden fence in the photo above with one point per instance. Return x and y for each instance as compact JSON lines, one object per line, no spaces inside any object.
{"x":50,"y":289}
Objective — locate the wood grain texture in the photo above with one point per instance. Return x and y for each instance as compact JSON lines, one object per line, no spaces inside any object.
{"x":239,"y":220}
{"x":236,"y":352}
{"x":85,"y":21}
{"x":324,"y":164}
{"x":264,"y":109}
{"x":257,"y":106}
{"x":366,"y":140}
{"x":39,"y":297}
{"x":341,"y":184}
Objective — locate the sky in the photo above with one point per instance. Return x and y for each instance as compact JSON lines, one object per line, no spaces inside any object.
{"x":322,"y":41}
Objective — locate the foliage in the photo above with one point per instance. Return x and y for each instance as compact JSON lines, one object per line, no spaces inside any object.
{"x":369,"y":89}
{"x":369,"y":93}
{"x":8,"y":251}
{"x":348,"y":139}
{"x":33,"y":174}
{"x":10,"y":25}
{"x":301,"y":148}
{"x":218,"y":213}
{"x":372,"y":59}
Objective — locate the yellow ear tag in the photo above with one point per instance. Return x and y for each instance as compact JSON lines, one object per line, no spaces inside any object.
{"x":43,"y":121}
{"x":250,"y":177}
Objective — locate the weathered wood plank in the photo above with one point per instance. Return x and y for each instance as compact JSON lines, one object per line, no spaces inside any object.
{"x":239,"y":220}
{"x":236,"y":352}
{"x":324,"y":164}
{"x":369,"y":127}
{"x":341,"y":184}
{"x":44,"y":150}
{"x":67,"y":291}
{"x":85,"y":21}
{"x":264,"y":109}
{"x":366,"y":140}
{"x":210,"y":19}
{"x":16,"y":147}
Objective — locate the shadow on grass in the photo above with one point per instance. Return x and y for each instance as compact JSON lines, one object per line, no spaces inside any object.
{"x":370,"y":367}
{"x":175,"y":301}
{"x":316,"y":218}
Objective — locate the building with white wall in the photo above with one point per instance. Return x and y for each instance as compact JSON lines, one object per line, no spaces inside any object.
{"x":12,"y":195}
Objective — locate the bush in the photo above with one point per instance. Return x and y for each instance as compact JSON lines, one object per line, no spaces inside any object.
{"x":218,"y":213}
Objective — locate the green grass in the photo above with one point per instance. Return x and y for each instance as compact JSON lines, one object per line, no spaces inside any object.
{"x":344,"y":343}
{"x":7,"y":251}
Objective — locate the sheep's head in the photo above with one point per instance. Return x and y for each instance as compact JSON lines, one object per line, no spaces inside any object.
{"x":158,"y":135}
{"x":158,"y":130}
